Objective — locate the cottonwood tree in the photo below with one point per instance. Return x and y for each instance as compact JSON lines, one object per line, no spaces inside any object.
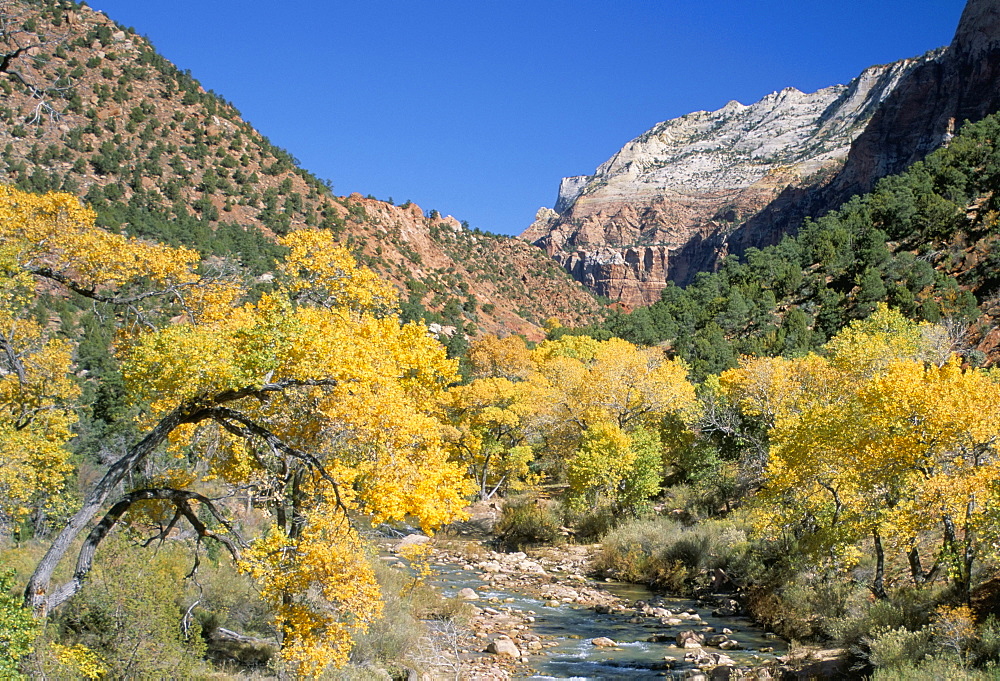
{"x":595,"y":408}
{"x":493,"y":416}
{"x":311,"y":400}
{"x":879,"y":441}
{"x":605,"y":403}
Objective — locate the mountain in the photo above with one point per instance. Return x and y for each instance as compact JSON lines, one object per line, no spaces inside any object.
{"x":935,"y":98}
{"x":91,"y":108}
{"x":689,"y":191}
{"x":925,"y":241}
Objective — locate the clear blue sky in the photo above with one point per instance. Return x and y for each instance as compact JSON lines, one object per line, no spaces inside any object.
{"x":477,"y":108}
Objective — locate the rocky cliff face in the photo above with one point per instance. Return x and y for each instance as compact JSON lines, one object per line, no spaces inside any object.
{"x":620,"y":229}
{"x":924,"y":110}
{"x":693,"y":189}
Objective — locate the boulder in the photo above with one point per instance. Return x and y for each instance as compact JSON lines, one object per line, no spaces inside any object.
{"x":412,"y":539}
{"x":468,"y":594}
{"x":728,"y":608}
{"x":603,"y":642}
{"x":720,"y":659}
{"x":716,"y":641}
{"x":503,"y":647}
{"x":724,"y":672}
{"x":690,"y":639}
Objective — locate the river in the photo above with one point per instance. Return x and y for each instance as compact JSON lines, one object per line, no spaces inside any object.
{"x":567,"y":630}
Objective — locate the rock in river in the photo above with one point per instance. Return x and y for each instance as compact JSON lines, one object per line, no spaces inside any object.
{"x":504,"y":647}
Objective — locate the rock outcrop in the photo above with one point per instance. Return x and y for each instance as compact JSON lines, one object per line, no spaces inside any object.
{"x":619,"y":230}
{"x":924,"y":110}
{"x":691,"y":190}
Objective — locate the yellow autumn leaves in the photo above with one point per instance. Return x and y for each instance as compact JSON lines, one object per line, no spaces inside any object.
{"x":312,"y":399}
{"x":584,"y":410}
{"x":53,"y":232}
{"x":315,"y":403}
{"x":886,"y":436}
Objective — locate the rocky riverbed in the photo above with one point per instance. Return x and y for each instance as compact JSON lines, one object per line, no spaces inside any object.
{"x":539,"y":615}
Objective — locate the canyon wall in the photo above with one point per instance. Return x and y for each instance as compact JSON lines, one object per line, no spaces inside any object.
{"x":694,"y":189}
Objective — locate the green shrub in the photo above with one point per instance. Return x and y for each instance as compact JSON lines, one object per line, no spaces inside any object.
{"x":986,"y":649}
{"x":934,"y":669}
{"x":906,"y":609}
{"x":663,"y":552}
{"x":593,"y":523}
{"x":527,"y":521}
{"x":395,"y":635}
{"x":895,"y":648}
{"x":18,"y":629}
{"x":130,"y":612}
{"x":395,"y":641}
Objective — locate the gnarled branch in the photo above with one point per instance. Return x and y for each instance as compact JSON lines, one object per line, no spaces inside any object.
{"x":37,"y":593}
{"x":242,"y":426}
{"x":181,"y":500}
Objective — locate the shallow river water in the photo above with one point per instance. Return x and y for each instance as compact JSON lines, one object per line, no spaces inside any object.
{"x":572,"y":627}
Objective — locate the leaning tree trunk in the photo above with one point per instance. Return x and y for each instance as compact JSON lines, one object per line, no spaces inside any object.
{"x":38,"y":595}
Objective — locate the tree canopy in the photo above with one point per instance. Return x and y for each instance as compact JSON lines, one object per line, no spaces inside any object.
{"x":306,"y":397}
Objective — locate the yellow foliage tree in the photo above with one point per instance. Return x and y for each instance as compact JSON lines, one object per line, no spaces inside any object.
{"x":610,"y":381}
{"x":580,"y":400}
{"x":313,"y":401}
{"x":878,"y":440}
{"x":603,"y":403}
{"x":491,"y":418}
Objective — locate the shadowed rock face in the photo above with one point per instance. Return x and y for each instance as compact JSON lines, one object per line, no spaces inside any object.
{"x":693,"y":189}
{"x":962,"y":83}
{"x":925,"y":108}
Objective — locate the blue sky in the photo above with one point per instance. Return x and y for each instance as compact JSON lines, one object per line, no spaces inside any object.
{"x":476,"y":108}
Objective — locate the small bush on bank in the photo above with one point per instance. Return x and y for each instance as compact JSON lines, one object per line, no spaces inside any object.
{"x":663,"y":553}
{"x":986,"y":648}
{"x":592,"y":524}
{"x":897,"y":648}
{"x":396,"y":633}
{"x":394,"y":641}
{"x":130,"y":613}
{"x":934,"y":669}
{"x":908,"y":609}
{"x":526,"y":521}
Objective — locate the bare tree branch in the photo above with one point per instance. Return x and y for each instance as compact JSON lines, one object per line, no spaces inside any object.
{"x":16,"y":365}
{"x":181,"y":500}
{"x":198,"y":409}
{"x":248,"y":429}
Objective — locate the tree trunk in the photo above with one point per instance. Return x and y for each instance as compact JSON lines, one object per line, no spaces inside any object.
{"x":878,"y":583}
{"x":37,"y":594}
{"x":916,"y":569}
{"x":960,"y":557}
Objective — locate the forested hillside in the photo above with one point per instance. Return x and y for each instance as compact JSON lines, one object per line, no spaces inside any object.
{"x":89,"y":107}
{"x":924,"y":242}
